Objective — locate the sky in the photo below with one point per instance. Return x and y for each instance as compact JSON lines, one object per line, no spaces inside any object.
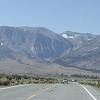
{"x":57,"y":15}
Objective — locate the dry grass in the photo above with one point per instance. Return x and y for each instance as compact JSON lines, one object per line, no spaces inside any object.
{"x":9,"y":80}
{"x":91,"y":82}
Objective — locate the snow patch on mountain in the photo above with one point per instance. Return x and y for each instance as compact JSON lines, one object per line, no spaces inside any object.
{"x":66,"y":36}
{"x":94,"y":49}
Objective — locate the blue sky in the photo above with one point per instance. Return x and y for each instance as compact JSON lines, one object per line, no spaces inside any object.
{"x":57,"y":15}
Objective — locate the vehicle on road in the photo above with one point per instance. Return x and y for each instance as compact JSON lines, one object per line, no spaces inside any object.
{"x":65,"y":81}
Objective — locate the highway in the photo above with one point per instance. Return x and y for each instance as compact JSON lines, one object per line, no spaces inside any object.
{"x":71,"y":91}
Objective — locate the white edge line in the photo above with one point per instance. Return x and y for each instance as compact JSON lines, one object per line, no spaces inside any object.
{"x":15,"y":86}
{"x":88,"y":92}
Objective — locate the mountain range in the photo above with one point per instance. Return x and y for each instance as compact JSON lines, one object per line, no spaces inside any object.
{"x":38,"y":50}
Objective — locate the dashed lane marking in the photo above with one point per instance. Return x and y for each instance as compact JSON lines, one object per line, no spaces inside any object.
{"x":36,"y":94}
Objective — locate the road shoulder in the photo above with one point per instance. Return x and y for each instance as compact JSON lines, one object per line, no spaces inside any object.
{"x":92,"y":92}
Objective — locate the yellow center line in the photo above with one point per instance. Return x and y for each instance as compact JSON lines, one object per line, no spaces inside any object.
{"x":36,"y":94}
{"x":30,"y":97}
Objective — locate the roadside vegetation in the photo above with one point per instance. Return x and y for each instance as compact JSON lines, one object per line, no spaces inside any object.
{"x":95,"y":82}
{"x":10,"y":80}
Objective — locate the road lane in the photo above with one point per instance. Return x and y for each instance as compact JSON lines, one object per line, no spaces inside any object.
{"x":21,"y":93}
{"x":71,"y":91}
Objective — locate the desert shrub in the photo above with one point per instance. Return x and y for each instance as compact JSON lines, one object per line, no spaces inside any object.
{"x":91,"y":82}
{"x":4,"y":81}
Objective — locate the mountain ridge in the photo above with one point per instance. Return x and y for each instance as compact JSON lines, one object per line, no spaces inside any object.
{"x":68,"y":49}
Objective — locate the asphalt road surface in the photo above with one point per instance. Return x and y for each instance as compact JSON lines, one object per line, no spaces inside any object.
{"x":71,"y":91}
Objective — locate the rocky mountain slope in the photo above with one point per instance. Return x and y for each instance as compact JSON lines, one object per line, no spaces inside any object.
{"x":86,"y":56}
{"x":31,"y":42}
{"x":67,"y":50}
{"x":77,"y":39}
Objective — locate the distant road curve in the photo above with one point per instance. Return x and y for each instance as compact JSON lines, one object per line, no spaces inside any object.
{"x":71,"y":91}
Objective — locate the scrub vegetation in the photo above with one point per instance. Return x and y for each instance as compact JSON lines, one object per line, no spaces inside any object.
{"x":91,"y":82}
{"x":10,"y":80}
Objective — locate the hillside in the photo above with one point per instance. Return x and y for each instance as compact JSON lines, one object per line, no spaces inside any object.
{"x":37,"y":50}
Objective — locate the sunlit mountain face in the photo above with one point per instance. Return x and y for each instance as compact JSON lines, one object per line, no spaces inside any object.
{"x":78,"y":50}
{"x":33,"y":42}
